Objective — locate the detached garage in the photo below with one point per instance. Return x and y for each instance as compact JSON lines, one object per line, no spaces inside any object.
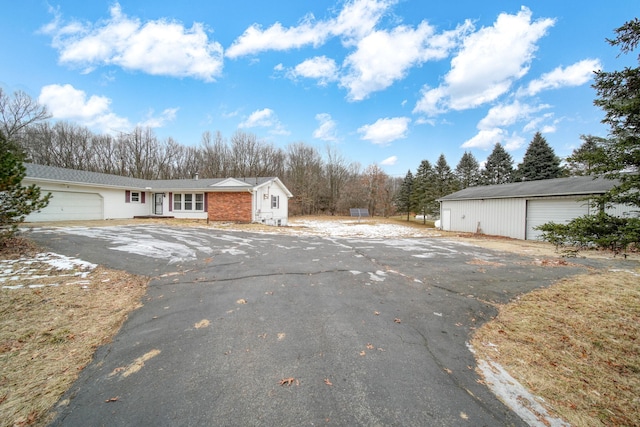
{"x":514,"y":210}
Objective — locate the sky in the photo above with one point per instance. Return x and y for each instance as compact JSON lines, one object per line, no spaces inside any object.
{"x":384,"y":82}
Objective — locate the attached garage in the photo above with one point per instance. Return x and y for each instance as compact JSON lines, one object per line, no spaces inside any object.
{"x":71,"y":206}
{"x":515,"y":209}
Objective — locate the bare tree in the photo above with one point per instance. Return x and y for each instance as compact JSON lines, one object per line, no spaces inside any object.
{"x":18,"y":112}
{"x":139,"y":153}
{"x":303,"y":178}
{"x":215,"y":156}
{"x":379,"y":194}
{"x":337,"y":175}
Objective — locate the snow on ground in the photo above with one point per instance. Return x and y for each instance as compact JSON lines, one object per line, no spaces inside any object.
{"x":33,"y":270}
{"x":362,"y":228}
{"x":515,"y":396}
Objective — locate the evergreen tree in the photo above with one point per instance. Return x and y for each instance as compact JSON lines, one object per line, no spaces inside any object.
{"x":423,"y":183}
{"x":619,"y":96}
{"x":468,"y":171}
{"x":584,"y":158}
{"x":499,"y":167}
{"x":16,"y":201}
{"x":445,"y":182}
{"x":539,"y":162}
{"x":617,"y":157}
{"x":403,"y":198}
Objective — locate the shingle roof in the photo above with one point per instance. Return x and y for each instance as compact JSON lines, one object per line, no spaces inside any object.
{"x":577,"y":185}
{"x":53,"y":173}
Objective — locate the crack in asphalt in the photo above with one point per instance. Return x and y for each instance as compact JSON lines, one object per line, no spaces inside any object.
{"x":254,"y":276}
{"x":451,"y":375}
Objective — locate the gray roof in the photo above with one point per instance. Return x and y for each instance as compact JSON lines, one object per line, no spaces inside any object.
{"x":53,"y":173}
{"x":577,"y":185}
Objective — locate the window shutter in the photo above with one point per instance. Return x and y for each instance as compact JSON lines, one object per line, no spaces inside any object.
{"x":142,"y":194}
{"x":127,"y":196}
{"x":206,"y":205}
{"x":170,"y":202}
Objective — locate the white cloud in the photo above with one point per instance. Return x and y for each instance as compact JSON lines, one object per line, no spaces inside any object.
{"x":327,"y":129}
{"x":389,"y":161}
{"x":158,"y":47}
{"x":489,"y":61}
{"x":487,"y":138}
{"x":548,"y":129}
{"x":168,"y":115}
{"x":356,"y":19}
{"x":573,"y":75}
{"x":513,"y":142}
{"x":385,"y":131}
{"x":265,"y":118}
{"x":534,"y":124}
{"x":491,"y":128}
{"x":66,"y":102}
{"x":508,"y":114}
{"x":321,"y":68}
{"x":382,"y":57}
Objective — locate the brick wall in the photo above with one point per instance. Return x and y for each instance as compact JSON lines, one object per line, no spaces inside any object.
{"x":234,"y":206}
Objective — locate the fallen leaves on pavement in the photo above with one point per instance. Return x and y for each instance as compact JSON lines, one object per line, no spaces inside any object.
{"x":289,"y":381}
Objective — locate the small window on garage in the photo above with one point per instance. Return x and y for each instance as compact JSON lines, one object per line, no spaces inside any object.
{"x":275,"y":202}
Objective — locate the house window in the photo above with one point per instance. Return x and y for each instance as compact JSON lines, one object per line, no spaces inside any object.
{"x":135,"y":197}
{"x":193,"y":202}
{"x":275,"y":202}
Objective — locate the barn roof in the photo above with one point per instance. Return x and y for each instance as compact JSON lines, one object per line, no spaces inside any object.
{"x":573,"y":186}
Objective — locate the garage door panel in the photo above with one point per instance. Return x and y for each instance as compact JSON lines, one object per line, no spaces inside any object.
{"x":560,"y":211}
{"x":70,"y":206}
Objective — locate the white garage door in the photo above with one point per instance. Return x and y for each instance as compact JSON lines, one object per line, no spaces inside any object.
{"x":560,"y":211}
{"x":70,"y":206}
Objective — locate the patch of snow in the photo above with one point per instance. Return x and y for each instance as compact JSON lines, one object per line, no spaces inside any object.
{"x":354,"y":228}
{"x":233,"y":251}
{"x":376,"y":277}
{"x":16,"y":269}
{"x":513,"y":394}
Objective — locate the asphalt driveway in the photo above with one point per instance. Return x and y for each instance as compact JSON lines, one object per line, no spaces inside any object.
{"x":365,"y":331}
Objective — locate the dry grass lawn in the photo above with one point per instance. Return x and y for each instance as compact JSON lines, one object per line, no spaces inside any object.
{"x":575,"y":344}
{"x":48,"y":334}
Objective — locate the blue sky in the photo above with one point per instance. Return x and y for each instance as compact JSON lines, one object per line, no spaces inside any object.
{"x":386,"y":82}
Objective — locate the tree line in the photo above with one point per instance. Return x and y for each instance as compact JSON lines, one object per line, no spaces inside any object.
{"x":419,"y":192}
{"x":322,"y":182}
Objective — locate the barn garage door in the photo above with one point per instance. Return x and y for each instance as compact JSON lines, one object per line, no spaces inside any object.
{"x":560,"y":211}
{"x":70,"y":206}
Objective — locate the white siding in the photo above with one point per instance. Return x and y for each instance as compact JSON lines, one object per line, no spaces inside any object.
{"x":624,"y":211}
{"x":263,"y":203}
{"x":498,"y":217}
{"x":560,"y":210}
{"x":65,"y":209}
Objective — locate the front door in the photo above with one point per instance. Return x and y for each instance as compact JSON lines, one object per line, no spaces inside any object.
{"x":157,"y":203}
